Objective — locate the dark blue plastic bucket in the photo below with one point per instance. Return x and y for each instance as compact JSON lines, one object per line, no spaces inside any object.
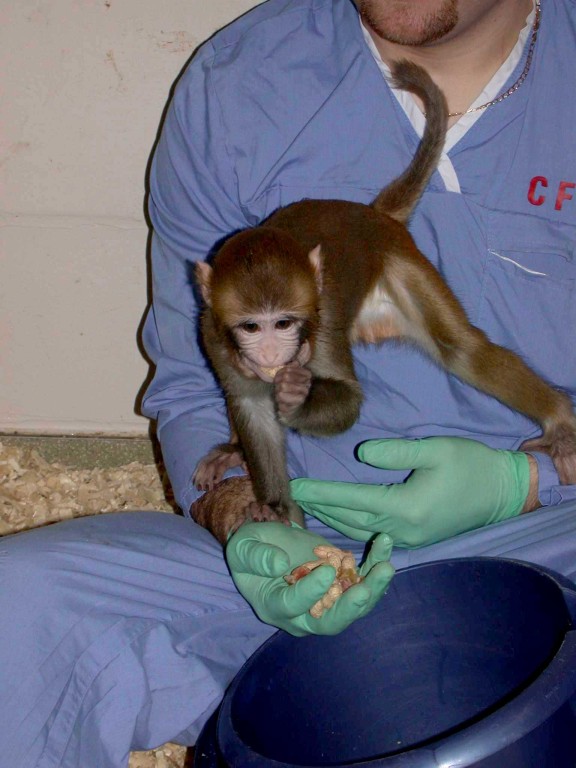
{"x":468,"y":662}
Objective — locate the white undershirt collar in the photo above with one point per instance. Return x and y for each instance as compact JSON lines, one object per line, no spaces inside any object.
{"x":457,"y":131}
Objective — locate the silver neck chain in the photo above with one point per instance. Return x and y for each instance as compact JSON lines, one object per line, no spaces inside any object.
{"x":518,"y":83}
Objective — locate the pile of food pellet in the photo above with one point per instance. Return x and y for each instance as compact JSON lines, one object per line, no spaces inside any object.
{"x":346,"y":576}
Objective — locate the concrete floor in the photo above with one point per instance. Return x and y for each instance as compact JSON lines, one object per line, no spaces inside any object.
{"x":87,"y":451}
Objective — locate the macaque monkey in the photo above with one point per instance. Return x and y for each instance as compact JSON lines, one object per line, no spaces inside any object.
{"x":284,"y":302}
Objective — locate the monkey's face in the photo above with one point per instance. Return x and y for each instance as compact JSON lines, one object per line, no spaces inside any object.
{"x":267,"y":341}
{"x":263,"y":293}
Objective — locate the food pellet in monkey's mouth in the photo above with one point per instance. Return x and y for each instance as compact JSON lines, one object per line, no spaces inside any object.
{"x":270,"y":371}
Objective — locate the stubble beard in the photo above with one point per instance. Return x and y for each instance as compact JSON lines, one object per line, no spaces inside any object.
{"x":405,"y":23}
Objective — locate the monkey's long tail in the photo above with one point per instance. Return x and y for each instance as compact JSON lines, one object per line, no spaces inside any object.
{"x":399,"y":198}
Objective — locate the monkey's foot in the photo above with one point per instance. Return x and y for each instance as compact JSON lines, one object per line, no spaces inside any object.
{"x":560,"y":445}
{"x":223,"y":510}
{"x":211,"y":468}
{"x":346,"y":575}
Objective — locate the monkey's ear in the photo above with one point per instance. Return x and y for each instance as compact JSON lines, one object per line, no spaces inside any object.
{"x":315,"y":257}
{"x":203,"y":273}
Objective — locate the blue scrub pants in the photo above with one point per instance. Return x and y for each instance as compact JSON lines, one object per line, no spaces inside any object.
{"x":122,"y":631}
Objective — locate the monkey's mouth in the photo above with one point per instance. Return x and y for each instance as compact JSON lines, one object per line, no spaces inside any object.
{"x":270,"y":372}
{"x":262,"y":372}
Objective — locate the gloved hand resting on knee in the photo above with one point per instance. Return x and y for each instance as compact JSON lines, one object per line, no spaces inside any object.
{"x":456,"y":485}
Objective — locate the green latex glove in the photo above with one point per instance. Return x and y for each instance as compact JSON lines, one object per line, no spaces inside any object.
{"x":457,"y":485}
{"x":259,"y":555}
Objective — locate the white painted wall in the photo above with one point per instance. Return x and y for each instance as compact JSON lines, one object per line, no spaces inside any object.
{"x":84,"y":84}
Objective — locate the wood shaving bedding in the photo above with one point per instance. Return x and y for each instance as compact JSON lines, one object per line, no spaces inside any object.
{"x":35,"y":492}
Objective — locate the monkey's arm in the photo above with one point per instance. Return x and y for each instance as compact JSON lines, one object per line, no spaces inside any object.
{"x":333,"y":395}
{"x":332,"y":406}
{"x":263,"y":443}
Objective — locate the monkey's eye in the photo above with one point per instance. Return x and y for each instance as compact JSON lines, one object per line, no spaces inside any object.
{"x":250,"y":327}
{"x":283,"y":325}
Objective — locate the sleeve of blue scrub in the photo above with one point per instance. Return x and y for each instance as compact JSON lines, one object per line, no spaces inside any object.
{"x":191,"y":208}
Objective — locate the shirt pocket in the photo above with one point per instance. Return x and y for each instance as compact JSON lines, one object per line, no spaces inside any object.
{"x":528,"y":294}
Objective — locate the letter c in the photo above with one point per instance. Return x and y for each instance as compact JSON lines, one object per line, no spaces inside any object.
{"x":537,"y":200}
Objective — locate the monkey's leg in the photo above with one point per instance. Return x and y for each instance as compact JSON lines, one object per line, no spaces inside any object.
{"x":210,"y":470}
{"x":263,"y":442}
{"x":435,"y":319}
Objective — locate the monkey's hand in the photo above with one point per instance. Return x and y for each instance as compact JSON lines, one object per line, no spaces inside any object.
{"x":291,"y":387}
{"x":260,"y":555}
{"x":264,"y":513}
{"x":456,"y":485}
